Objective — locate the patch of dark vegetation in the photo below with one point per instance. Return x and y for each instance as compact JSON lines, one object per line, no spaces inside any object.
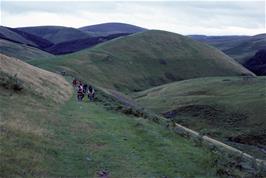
{"x":10,"y":82}
{"x":257,"y":63}
{"x":203,"y":92}
{"x":108,"y":58}
{"x":163,"y":62}
{"x":250,"y":139}
{"x":156,"y":81}
{"x":232,"y":162}
{"x":136,"y":90}
{"x":213,"y":114}
{"x":170,"y":76}
{"x":117,"y":87}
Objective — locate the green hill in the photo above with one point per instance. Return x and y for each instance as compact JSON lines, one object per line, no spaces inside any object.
{"x":46,"y":134}
{"x":146,"y":59}
{"x":231,"y":109}
{"x":22,"y":51}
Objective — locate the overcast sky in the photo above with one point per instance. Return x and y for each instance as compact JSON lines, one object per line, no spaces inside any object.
{"x":184,"y":17}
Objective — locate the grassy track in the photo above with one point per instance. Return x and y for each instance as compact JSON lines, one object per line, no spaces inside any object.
{"x":79,"y":139}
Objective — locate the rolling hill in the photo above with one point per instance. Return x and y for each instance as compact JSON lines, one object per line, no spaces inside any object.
{"x":56,"y":34}
{"x":257,"y":63}
{"x":241,"y":48}
{"x":111,"y":28}
{"x":79,"y":44}
{"x":22,"y":51}
{"x":231,"y":109}
{"x":45,"y":133}
{"x":21,"y":37}
{"x":6,"y":33}
{"x":67,"y":40}
{"x":143,"y":60}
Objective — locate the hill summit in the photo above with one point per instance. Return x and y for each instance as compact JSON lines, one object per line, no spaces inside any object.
{"x":112,"y":28}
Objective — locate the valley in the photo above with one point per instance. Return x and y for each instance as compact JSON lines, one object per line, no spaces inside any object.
{"x":146,"y":81}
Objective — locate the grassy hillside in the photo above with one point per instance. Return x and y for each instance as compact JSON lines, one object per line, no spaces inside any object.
{"x":241,"y":48}
{"x":33,"y":79}
{"x":22,"y":51}
{"x":44,"y":136}
{"x":143,"y":60}
{"x":231,"y":109}
{"x":56,"y":34}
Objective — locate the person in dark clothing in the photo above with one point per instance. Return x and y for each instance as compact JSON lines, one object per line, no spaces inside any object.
{"x":85,"y":88}
{"x":80,"y":94}
{"x":91,"y":93}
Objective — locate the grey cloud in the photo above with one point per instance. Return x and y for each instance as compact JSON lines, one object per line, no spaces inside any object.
{"x":203,"y":14}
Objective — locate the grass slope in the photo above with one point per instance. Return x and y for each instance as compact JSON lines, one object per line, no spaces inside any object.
{"x":79,"y":139}
{"x":42,"y":138}
{"x":231,"y":109}
{"x":22,"y":51}
{"x":143,"y":60}
{"x":38,"y":81}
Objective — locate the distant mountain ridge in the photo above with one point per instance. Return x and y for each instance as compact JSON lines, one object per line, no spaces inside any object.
{"x":61,"y":40}
{"x":112,"y":28}
{"x":56,"y":34}
{"x":18,"y":36}
{"x":80,"y":44}
{"x":40,"y":42}
{"x":241,"y":48}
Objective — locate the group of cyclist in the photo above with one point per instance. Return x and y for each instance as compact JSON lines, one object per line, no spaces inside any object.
{"x":83,"y":89}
